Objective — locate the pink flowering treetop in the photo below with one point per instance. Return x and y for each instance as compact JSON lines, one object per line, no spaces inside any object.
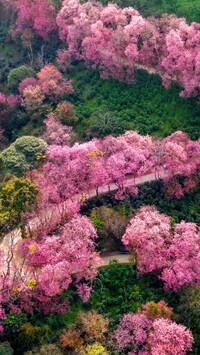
{"x":112,"y":40}
{"x":46,"y":90}
{"x":56,"y":132}
{"x":132,"y":332}
{"x":78,"y":169}
{"x":167,"y":338}
{"x":170,"y":251}
{"x":140,"y":335}
{"x":52,"y":83}
{"x":181,"y":157}
{"x":74,"y":22}
{"x":37,"y":15}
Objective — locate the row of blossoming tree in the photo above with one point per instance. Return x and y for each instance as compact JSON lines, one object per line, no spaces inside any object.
{"x":116,"y":40}
{"x":70,"y":170}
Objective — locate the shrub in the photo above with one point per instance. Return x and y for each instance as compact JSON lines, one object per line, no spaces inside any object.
{"x":70,"y":339}
{"x":16,"y":75}
{"x":94,"y":349}
{"x":93,"y":325}
{"x":22,"y":154}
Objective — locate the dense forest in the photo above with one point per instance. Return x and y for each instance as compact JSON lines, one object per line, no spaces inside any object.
{"x":99,"y":177}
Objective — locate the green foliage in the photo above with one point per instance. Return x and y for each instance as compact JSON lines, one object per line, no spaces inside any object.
{"x":145,"y":106}
{"x":16,"y":196}
{"x":31,"y":335}
{"x":97,"y":221}
{"x":16,"y":75}
{"x":13,"y":322}
{"x":5,"y":349}
{"x":22,"y":154}
{"x":117,"y":290}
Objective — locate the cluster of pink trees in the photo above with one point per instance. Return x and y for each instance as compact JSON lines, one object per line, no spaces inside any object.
{"x":36,"y":15}
{"x":142,"y":336}
{"x":82,"y":167}
{"x":50,"y":84}
{"x":68,"y":171}
{"x":115,"y":40}
{"x":37,"y":271}
{"x":171,"y":251}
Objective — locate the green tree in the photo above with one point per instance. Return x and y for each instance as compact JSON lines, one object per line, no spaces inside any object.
{"x":105,"y":122}
{"x":16,"y":197}
{"x":22,"y":154}
{"x":189,"y":312}
{"x":16,"y":75}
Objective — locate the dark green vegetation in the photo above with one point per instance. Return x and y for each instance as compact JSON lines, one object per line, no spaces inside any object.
{"x":117,"y":291}
{"x":109,"y":106}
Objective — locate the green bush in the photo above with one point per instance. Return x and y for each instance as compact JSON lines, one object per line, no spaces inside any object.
{"x":16,"y":75}
{"x":13,"y":322}
{"x":22,"y":154}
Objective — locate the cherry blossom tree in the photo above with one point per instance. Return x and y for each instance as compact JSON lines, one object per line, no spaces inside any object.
{"x":37,"y":15}
{"x":56,"y":132}
{"x":49,"y":87}
{"x":74,"y":22}
{"x":167,"y":338}
{"x":132,"y":333}
{"x":64,"y":59}
{"x":143,"y":336}
{"x":169,"y":251}
{"x":181,"y":157}
{"x":52,"y":83}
